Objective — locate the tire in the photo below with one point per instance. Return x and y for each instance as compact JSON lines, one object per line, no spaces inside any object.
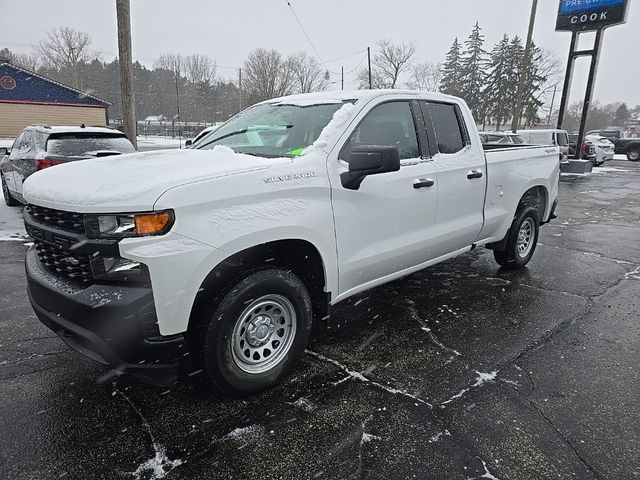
{"x":633,"y":155}
{"x":518,"y":250}
{"x":256,"y":333}
{"x":8,"y":199}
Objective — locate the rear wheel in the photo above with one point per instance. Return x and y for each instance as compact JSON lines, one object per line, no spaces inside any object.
{"x":522,"y":240}
{"x":633,"y":155}
{"x":255,"y":335}
{"x":8,"y":199}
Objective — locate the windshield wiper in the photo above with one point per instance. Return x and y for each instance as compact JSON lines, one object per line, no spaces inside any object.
{"x":231,"y":134}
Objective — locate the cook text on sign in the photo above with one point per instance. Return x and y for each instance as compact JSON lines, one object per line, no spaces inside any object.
{"x":580,"y":15}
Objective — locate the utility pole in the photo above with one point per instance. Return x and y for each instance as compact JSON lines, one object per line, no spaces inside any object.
{"x":369,"y":60}
{"x":240,"y":89}
{"x":126,"y":71}
{"x":342,"y":69}
{"x":177,"y":72}
{"x":517,"y":114}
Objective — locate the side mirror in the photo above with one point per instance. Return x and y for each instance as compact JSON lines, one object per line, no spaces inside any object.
{"x":188,"y":143}
{"x":369,"y":160}
{"x":4,"y":151}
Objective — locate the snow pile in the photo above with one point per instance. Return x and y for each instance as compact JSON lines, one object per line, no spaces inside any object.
{"x":11,"y":224}
{"x":337,"y":123}
{"x":158,"y":466}
{"x":141,"y":176}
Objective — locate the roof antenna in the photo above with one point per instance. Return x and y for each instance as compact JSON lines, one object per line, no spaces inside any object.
{"x":82,"y":126}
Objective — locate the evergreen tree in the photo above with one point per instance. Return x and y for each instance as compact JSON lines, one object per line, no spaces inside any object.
{"x":501,"y":84}
{"x":533,"y":82}
{"x":473,"y":72}
{"x":622,"y":115}
{"x":450,"y":83}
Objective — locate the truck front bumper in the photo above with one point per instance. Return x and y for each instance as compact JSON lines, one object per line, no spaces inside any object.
{"x":113,"y":324}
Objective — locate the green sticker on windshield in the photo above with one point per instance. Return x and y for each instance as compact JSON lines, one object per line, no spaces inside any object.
{"x":296,"y":152}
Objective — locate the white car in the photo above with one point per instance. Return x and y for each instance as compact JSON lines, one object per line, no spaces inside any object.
{"x":228,"y":252}
{"x":550,"y":136}
{"x":604,"y":149}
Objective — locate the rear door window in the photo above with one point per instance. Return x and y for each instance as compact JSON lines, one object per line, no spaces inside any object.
{"x":450,"y":135}
{"x":79,"y":144}
{"x":562,"y":139}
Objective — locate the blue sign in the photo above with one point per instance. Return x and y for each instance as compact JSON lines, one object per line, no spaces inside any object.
{"x":580,"y":15}
{"x":582,"y":6}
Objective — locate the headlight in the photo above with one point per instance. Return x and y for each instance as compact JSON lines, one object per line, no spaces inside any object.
{"x":128,"y":225}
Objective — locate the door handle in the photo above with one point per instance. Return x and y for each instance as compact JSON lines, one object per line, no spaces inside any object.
{"x":474,"y":174}
{"x":423,"y":182}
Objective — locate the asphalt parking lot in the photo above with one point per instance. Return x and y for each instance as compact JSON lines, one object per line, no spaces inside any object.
{"x":461,"y":371}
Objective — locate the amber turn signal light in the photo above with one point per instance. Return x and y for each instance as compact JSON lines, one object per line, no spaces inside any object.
{"x":153,"y":223}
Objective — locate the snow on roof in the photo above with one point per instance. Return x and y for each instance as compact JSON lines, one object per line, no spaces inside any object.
{"x":74,"y":129}
{"x":339,"y":96}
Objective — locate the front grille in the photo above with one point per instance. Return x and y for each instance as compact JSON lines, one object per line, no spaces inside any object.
{"x":67,"y":221}
{"x":61,"y":262}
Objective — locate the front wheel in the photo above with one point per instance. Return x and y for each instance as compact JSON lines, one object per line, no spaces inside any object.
{"x":255,"y":335}
{"x":8,"y":199}
{"x":633,"y":155}
{"x":521,"y":242}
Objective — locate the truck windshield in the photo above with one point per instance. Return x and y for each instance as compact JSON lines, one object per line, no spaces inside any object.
{"x":272,"y":130}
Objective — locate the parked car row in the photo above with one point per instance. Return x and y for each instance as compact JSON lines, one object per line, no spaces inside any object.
{"x":41,"y":146}
{"x":623,"y":146}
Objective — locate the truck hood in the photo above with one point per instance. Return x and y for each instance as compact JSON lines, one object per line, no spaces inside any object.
{"x":133,"y":182}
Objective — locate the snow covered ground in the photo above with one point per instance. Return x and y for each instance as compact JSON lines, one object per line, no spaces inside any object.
{"x":6,"y":142}
{"x":11,"y":224}
{"x":151,"y":142}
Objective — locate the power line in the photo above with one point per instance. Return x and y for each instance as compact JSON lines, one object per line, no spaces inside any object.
{"x":304,"y":31}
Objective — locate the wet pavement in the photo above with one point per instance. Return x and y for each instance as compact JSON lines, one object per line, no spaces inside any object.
{"x":457,"y":372}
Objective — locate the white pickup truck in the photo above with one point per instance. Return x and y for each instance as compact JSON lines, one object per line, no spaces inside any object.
{"x":226,"y":252}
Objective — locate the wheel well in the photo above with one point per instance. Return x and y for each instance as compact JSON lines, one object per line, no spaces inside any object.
{"x":535,"y":197}
{"x":298,"y":256}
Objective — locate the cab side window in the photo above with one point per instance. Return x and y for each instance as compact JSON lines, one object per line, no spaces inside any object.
{"x":388,"y":124}
{"x":450,"y":134}
{"x":18,"y":146}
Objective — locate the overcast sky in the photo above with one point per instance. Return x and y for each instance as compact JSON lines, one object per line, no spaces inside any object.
{"x":229,"y":30}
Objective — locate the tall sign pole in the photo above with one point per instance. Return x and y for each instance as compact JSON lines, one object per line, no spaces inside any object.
{"x":126,"y":71}
{"x":517,"y":114}
{"x":577,"y":17}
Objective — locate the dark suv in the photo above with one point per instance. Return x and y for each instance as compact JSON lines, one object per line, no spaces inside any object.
{"x":40,"y":146}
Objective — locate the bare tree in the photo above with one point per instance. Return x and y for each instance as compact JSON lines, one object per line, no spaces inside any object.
{"x":199,"y":68}
{"x":64,"y":49}
{"x":388,"y":63}
{"x":174,"y":62}
{"x":267,"y":74}
{"x":426,"y":76}
{"x":307,"y":73}
{"x":377,"y":79}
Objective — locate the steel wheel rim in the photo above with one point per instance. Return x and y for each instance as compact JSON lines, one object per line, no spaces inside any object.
{"x":263,"y":334}
{"x":634,"y":155}
{"x":525,"y":238}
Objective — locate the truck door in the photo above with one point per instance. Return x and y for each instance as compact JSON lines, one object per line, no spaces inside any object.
{"x":461,"y":171}
{"x":385,"y":226}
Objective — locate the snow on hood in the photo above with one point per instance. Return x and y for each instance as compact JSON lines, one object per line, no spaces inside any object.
{"x":134,"y":181}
